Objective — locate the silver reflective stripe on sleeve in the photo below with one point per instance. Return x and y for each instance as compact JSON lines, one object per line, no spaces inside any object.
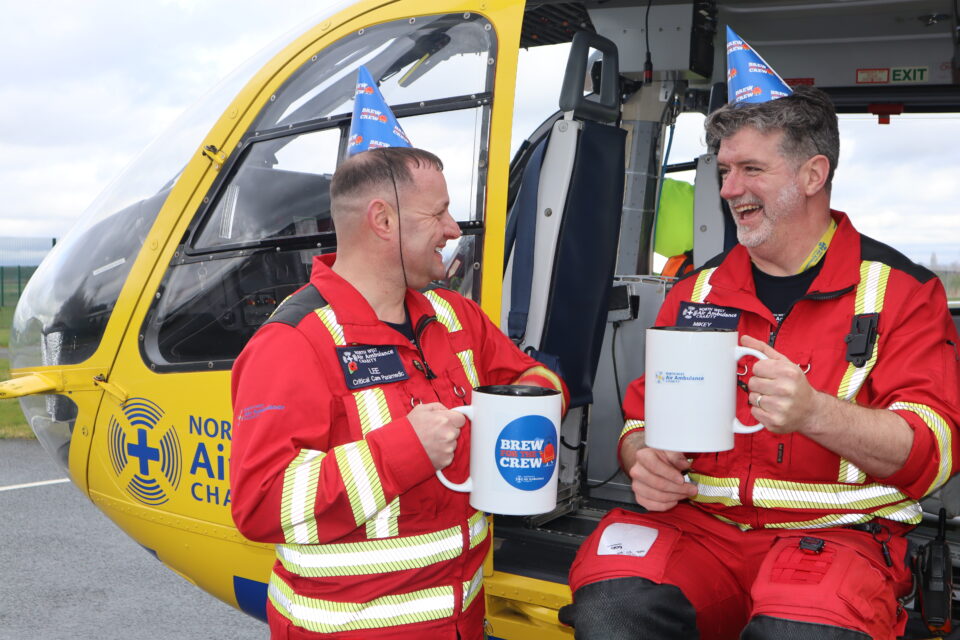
{"x":360,"y":479}
{"x":631,"y":425}
{"x":300,"y":480}
{"x":944,"y":437}
{"x":472,"y":587}
{"x":725,"y":491}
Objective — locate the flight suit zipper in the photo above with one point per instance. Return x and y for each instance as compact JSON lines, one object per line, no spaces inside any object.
{"x":829,"y":295}
{"x":422,"y":324}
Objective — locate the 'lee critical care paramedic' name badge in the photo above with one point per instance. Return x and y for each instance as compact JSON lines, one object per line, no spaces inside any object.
{"x":367,"y":365}
{"x":692,"y":314}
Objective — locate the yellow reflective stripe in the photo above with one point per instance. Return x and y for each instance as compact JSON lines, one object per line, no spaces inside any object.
{"x":374,"y":413}
{"x":445,"y":312}
{"x":701,"y":288}
{"x":466,"y":361}
{"x":908,"y":511}
{"x":330,"y":616}
{"x":274,"y":312}
{"x":942,"y":433}
{"x":631,"y":425}
{"x":554,"y":379}
{"x":360,"y":479}
{"x":472,"y":587}
{"x":725,"y":491}
{"x":870,"y":294}
{"x":373,"y":556}
{"x":869,"y":299}
{"x":832,"y":520}
{"x":850,"y":473}
{"x":477,"y":527}
{"x":385,"y":524}
{"x":300,"y":480}
{"x":543,"y":372}
{"x":329,"y":320}
{"x":810,"y":495}
{"x":372,"y":408}
{"x":872,"y":287}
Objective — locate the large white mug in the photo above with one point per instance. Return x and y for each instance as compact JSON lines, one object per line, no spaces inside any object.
{"x":690,"y":389}
{"x":515,"y":432}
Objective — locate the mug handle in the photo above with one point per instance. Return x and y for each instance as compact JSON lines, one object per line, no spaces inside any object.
{"x":467,"y":485}
{"x":739,"y":352}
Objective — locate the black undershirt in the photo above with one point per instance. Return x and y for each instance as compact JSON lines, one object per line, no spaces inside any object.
{"x":779,"y":293}
{"x":405,"y":328}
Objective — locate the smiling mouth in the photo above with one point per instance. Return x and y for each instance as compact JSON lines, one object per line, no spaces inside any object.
{"x":747,"y":211}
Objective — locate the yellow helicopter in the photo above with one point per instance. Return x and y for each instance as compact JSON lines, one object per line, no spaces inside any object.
{"x":122,"y":343}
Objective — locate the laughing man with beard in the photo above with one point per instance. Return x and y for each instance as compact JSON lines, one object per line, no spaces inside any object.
{"x":800,"y":530}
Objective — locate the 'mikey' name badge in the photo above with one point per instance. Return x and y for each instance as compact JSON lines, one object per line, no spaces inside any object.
{"x":367,"y":365}
{"x":692,"y":314}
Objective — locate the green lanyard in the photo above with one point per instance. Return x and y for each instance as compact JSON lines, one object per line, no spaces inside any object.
{"x":820,"y":249}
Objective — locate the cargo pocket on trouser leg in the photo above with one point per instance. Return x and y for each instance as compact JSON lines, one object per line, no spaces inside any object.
{"x":838,"y":579}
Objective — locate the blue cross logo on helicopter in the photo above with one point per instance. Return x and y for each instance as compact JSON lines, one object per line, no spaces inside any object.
{"x":151,"y":471}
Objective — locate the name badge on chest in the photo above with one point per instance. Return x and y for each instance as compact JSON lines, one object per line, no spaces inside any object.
{"x":693,"y":314}
{"x":368,"y":365}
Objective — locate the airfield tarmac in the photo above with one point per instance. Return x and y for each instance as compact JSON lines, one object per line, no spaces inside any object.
{"x":66,"y":571}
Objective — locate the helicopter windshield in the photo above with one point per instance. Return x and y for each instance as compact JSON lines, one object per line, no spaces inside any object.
{"x":399,"y":55}
{"x":269,"y":214}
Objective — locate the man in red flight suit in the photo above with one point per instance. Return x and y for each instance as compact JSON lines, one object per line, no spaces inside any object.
{"x":342,"y":403}
{"x":799,"y":531}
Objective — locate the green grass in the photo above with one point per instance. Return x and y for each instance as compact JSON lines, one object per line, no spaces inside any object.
{"x":6,"y":319}
{"x":12,"y":422}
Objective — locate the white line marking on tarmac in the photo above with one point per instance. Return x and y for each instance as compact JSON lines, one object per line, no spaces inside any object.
{"x":34,"y":484}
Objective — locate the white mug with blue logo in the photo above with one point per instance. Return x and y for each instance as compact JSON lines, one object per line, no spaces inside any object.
{"x":515,"y":432}
{"x":690,"y":389}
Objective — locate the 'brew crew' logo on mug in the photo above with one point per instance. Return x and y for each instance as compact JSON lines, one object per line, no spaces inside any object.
{"x":526,"y":452}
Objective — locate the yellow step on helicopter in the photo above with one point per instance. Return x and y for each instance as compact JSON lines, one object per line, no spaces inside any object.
{"x":122,"y":343}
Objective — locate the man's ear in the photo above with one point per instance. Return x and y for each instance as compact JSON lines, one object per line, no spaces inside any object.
{"x":381,"y":218}
{"x":814,"y":174}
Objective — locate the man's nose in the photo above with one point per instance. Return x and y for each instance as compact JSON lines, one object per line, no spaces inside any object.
{"x":453,"y":229}
{"x":731,"y":186}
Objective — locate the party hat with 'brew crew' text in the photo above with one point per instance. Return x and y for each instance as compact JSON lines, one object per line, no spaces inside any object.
{"x":373,"y":124}
{"x":749,"y":77}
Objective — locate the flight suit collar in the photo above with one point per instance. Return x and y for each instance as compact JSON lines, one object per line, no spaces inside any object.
{"x":360,"y":323}
{"x":732,"y":283}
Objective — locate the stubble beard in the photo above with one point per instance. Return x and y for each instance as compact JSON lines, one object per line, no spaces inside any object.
{"x":788,"y":200}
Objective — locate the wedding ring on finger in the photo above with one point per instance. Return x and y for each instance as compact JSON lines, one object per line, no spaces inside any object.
{"x":759,"y":397}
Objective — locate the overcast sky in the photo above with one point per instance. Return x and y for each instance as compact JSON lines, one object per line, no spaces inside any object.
{"x":87,"y":85}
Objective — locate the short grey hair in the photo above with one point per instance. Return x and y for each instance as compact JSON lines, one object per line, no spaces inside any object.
{"x":807,"y":118}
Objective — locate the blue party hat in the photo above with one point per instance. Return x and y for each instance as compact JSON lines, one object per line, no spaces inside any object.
{"x":373,"y":124}
{"x":749,"y":77}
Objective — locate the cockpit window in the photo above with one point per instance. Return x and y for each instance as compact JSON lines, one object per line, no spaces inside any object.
{"x":413,"y":60}
{"x":252,"y":244}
